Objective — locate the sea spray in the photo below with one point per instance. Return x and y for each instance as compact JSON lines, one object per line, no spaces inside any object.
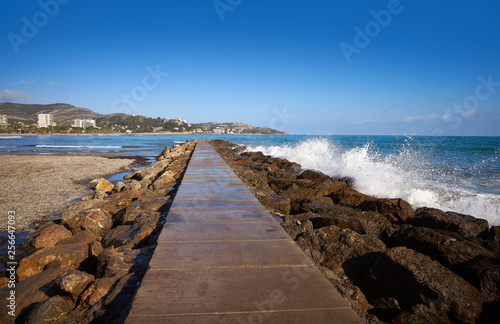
{"x":407,"y":171}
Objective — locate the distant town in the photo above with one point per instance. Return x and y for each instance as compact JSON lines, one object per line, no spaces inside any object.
{"x":67,"y":119}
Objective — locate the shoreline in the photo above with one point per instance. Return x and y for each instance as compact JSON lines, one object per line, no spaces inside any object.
{"x":38,"y":186}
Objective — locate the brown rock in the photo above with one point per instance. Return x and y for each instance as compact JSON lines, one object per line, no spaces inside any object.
{"x":393,"y":209}
{"x":29,"y":292}
{"x":70,"y":256}
{"x":48,"y":235}
{"x":131,"y":236}
{"x":314,"y":175}
{"x":103,"y":184}
{"x":150,"y":204}
{"x":112,"y":263}
{"x":464,"y":225}
{"x":349,"y":197}
{"x":359,"y":225}
{"x":413,"y":278}
{"x":276,"y":204}
{"x":484,"y":274}
{"x":315,"y":205}
{"x":419,"y":314}
{"x":343,"y":247}
{"x":51,"y":311}
{"x":82,"y":237}
{"x":97,"y":221}
{"x":448,"y":250}
{"x":73,"y":283}
{"x":98,"y":290}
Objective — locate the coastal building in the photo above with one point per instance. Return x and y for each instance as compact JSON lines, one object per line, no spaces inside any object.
{"x":45,"y":120}
{"x":157,"y":129}
{"x":3,"y":120}
{"x":84,"y":123}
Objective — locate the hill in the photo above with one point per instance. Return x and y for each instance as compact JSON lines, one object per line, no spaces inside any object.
{"x":64,"y":114}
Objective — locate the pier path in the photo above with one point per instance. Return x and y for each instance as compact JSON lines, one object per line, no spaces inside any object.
{"x":222,"y":258}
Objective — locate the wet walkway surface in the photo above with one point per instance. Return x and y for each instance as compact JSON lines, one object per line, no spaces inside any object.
{"x":222,"y":258}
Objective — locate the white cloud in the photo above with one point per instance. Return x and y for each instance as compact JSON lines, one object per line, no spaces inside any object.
{"x":414,"y":118}
{"x":468,"y":113}
{"x":53,"y":83}
{"x":14,"y":96}
{"x":365,"y":121}
{"x":18,"y":82}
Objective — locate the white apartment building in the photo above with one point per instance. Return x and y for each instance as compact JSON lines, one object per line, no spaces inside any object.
{"x":45,"y":120}
{"x":84,"y":123}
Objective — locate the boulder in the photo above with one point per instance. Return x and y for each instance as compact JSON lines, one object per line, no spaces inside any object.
{"x":276,"y":204}
{"x":484,"y":274}
{"x":52,"y":310}
{"x":359,"y":225}
{"x":343,"y":247}
{"x":103,"y":184}
{"x":394,"y":209}
{"x":30,"y":291}
{"x":348,"y":196}
{"x":112,"y":263}
{"x":131,"y":236}
{"x":413,"y":278}
{"x":447,"y":250}
{"x":150,"y":204}
{"x":48,"y":235}
{"x":82,"y":237}
{"x":119,"y":200}
{"x":98,"y":290}
{"x":73,"y":284}
{"x":97,"y":221}
{"x":463,"y":225}
{"x":119,"y":186}
{"x":315,"y":205}
{"x":419,"y":314}
{"x":315,"y":176}
{"x":70,"y":256}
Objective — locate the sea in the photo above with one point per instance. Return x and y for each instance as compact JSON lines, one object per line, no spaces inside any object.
{"x":460,"y":174}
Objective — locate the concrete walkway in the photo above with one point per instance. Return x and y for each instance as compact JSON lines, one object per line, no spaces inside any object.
{"x":222,"y":258}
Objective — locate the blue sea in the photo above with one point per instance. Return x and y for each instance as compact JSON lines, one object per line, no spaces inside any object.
{"x":461,"y":174}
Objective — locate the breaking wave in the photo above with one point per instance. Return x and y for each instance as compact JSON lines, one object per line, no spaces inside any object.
{"x":404,"y":173}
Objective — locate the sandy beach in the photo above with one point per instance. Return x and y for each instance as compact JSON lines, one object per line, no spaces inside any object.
{"x":35,"y":186}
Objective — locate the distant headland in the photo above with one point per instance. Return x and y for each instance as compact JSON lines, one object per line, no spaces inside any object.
{"x":61,"y":118}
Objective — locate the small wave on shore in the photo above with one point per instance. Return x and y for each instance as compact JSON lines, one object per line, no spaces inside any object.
{"x":407,"y":172}
{"x":10,"y":137}
{"x":80,"y":146}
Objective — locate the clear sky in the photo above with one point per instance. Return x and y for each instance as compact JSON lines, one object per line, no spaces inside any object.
{"x":304,"y":66}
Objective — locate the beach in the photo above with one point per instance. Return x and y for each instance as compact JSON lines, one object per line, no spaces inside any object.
{"x":35,"y":186}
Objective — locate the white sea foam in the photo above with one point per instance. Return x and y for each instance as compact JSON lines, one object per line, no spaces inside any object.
{"x":79,"y":146}
{"x":10,"y":137}
{"x":404,"y":174}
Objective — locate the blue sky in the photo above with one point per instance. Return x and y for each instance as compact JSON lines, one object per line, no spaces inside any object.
{"x":307,"y":67}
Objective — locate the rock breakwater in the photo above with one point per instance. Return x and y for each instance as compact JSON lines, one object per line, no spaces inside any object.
{"x":394,"y":264}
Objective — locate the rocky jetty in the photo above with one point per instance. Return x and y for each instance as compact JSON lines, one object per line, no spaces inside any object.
{"x":86,"y":266}
{"x":394,"y":264}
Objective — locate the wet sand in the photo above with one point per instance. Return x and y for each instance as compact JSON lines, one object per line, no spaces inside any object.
{"x":37,"y":186}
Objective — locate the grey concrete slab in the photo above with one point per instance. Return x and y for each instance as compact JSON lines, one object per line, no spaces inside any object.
{"x":228,"y":254}
{"x":219,"y":216}
{"x":230,"y":290}
{"x":333,"y":315}
{"x":206,"y":196}
{"x":215,"y":205}
{"x":213,"y":190}
{"x":179,"y":232}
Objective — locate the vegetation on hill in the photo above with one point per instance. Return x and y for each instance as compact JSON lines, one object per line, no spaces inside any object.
{"x":23,"y":117}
